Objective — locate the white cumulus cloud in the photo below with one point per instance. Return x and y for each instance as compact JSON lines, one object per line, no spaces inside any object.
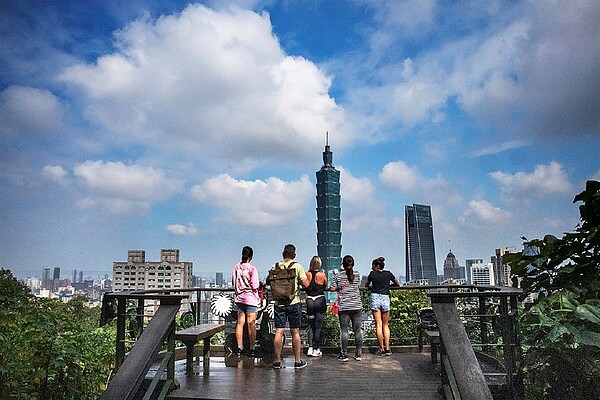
{"x":122,"y":188}
{"x":26,"y":110}
{"x":481,"y":211}
{"x":56,"y":174}
{"x":259,"y":202}
{"x":209,"y":82}
{"x":182,"y":230}
{"x":544,"y":180}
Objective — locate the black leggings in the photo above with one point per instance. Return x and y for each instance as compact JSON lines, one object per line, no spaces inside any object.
{"x":315,"y":309}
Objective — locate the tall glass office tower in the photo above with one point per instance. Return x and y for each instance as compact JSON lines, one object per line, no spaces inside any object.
{"x":329,"y":233}
{"x":420,"y":248}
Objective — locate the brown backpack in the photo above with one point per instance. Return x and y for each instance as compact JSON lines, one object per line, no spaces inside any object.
{"x":283,"y":283}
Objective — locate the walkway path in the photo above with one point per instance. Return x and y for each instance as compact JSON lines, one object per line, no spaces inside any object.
{"x":401,"y":376}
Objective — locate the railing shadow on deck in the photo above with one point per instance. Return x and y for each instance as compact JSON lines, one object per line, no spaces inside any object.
{"x":457,"y":347}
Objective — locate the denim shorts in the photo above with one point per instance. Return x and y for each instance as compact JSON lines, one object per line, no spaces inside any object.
{"x":380,"y":302}
{"x":246,"y":308}
{"x":292,"y":314}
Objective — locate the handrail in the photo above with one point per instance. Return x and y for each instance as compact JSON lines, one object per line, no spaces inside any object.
{"x":462,"y":375}
{"x":133,"y":369}
{"x":462,"y":372}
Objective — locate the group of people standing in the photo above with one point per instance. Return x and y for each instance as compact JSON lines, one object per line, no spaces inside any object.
{"x":347,"y":285}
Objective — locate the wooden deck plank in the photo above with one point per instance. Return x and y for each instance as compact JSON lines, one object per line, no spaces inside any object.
{"x":401,"y":376}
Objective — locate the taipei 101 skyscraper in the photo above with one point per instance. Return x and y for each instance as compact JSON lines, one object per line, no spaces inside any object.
{"x":329,"y":233}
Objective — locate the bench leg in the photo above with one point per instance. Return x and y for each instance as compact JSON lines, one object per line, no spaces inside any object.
{"x":434,"y":351}
{"x":206,"y":356}
{"x":189,"y":357}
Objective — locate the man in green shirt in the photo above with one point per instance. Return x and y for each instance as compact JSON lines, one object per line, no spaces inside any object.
{"x":290,"y":312}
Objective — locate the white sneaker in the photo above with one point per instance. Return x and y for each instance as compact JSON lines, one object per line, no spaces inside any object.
{"x":317,"y":353}
{"x":310,"y":352}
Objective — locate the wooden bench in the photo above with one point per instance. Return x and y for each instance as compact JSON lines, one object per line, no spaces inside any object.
{"x":191,"y":336}
{"x":434,"y":340}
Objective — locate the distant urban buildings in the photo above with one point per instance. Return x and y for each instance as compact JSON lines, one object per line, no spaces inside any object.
{"x":452,"y":270}
{"x":219,"y":279}
{"x":468,"y":265}
{"x":138,"y":274}
{"x":329,"y":223}
{"x":501,"y":271}
{"x":482,"y":274}
{"x":419,"y":245}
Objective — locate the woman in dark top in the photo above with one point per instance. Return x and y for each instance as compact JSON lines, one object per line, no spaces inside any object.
{"x":315,"y":306}
{"x":380,"y":303}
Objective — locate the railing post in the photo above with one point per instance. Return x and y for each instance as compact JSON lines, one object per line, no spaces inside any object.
{"x":139,"y":315}
{"x":483,"y":332}
{"x":171,"y":349}
{"x":120,"y":341}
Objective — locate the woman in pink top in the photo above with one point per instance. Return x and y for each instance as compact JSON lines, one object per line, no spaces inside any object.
{"x":246,"y":284}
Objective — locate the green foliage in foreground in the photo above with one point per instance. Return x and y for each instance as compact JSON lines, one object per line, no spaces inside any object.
{"x":560,"y":333}
{"x":48,"y":349}
{"x":404,"y":307}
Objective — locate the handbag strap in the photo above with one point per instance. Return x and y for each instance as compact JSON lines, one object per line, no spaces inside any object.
{"x":341,"y":290}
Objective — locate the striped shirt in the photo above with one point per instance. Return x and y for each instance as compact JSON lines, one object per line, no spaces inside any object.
{"x":350,"y":299}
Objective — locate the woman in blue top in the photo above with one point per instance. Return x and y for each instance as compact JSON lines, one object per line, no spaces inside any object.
{"x":380,"y":303}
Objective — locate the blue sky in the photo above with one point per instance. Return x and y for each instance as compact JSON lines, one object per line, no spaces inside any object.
{"x":163,"y":124}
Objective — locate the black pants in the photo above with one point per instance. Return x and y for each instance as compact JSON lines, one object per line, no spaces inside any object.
{"x":315,"y":309}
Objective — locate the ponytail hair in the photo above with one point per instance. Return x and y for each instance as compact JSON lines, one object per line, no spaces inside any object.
{"x":379,"y":262}
{"x":348,"y":265}
{"x":247,"y":254}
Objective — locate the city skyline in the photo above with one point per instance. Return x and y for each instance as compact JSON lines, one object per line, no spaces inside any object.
{"x":155,"y":125}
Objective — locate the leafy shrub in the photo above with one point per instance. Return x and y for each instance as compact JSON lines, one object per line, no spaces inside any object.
{"x":560,"y":332}
{"x":48,"y":349}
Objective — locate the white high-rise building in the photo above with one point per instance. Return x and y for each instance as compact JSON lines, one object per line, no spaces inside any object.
{"x":138,"y":274}
{"x":482,"y":274}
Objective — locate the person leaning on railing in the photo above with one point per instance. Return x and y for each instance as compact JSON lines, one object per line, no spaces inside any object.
{"x":346,"y":283}
{"x":380,"y":303}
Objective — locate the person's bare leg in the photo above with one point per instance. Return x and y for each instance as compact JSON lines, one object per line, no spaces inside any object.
{"x":296,"y":343}
{"x":385,"y":317}
{"x":239,"y":330}
{"x":278,"y":343}
{"x":251,"y":318}
{"x":378,"y":328}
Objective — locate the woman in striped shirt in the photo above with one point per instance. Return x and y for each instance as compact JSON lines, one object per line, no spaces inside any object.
{"x":346,"y":283}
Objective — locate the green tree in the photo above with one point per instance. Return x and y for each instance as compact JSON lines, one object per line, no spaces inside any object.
{"x":560,"y":332}
{"x":405,"y":305}
{"x":50,"y":349}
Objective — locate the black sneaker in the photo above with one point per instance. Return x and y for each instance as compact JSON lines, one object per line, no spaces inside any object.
{"x":343,"y":358}
{"x":277,"y":365}
{"x":300,"y":364}
{"x":238,"y":352}
{"x":388,"y":352}
{"x":380,"y":352}
{"x":252,"y":353}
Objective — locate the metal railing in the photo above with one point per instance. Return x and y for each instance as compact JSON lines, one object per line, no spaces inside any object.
{"x":131,"y":370}
{"x":488,"y":353}
{"x":487,"y":316}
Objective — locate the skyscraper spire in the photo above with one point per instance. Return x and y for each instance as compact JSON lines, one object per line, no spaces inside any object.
{"x":327,"y":154}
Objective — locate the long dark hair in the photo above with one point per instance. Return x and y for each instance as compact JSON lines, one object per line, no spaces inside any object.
{"x":247,"y":254}
{"x":348,"y":264}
